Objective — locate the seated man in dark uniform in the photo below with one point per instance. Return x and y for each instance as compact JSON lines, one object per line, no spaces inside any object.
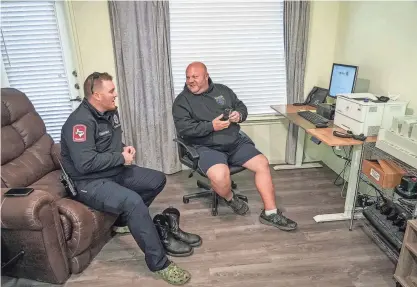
{"x":101,"y":167}
{"x":198,"y":115}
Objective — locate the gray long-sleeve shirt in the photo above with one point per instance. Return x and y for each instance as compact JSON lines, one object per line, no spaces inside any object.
{"x":193,"y":116}
{"x":91,"y":143}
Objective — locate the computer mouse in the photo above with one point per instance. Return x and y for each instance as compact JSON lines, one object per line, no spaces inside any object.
{"x":321,"y":125}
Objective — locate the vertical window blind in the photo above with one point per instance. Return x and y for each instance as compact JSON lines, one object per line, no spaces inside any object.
{"x":32,"y":54}
{"x":241,"y":44}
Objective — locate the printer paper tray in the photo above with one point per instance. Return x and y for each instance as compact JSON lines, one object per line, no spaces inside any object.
{"x":348,"y":123}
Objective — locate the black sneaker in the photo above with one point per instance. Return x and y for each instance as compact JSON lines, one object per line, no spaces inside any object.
{"x":237,"y":205}
{"x":278,"y":220}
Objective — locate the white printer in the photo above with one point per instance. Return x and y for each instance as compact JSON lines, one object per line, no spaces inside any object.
{"x":362,"y":113}
{"x":400,"y":140}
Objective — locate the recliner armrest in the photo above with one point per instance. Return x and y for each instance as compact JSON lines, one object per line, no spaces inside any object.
{"x":82,"y":225}
{"x":31,"y":224}
{"x":25,"y":212}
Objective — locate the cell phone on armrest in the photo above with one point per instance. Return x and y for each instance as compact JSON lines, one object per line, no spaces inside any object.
{"x":19,"y":191}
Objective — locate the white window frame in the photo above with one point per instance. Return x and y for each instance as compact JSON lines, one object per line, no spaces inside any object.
{"x":51,"y":119}
{"x":258,"y":78}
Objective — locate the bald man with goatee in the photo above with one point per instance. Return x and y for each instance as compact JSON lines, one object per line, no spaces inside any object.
{"x":207,"y":116}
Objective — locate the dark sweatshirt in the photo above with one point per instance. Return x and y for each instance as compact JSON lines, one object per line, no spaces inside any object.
{"x":193,"y":116}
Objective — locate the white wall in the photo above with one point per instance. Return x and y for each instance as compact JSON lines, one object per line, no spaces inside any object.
{"x":323,"y":31}
{"x":381,"y":38}
{"x":269,"y":137}
{"x":91,"y":31}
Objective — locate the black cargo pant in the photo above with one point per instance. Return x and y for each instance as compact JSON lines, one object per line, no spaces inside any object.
{"x":129,"y":195}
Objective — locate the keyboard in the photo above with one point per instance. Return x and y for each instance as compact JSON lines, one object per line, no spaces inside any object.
{"x":313,"y":117}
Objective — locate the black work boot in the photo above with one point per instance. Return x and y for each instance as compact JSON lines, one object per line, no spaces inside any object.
{"x":277,"y":220}
{"x":237,"y":205}
{"x":173,"y":215}
{"x":172,"y":246}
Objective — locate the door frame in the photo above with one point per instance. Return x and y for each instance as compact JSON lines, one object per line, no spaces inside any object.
{"x":69,"y":54}
{"x":4,"y":78}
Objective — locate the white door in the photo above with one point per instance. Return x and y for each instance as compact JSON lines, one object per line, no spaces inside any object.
{"x":37,"y":58}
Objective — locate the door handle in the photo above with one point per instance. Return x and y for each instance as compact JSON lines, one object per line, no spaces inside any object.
{"x":77,"y":99}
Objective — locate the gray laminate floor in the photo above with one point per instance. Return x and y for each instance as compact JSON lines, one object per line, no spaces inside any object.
{"x":240,"y":252}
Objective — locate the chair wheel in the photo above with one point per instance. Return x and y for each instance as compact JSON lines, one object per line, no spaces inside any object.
{"x":185,"y":200}
{"x":199,"y":185}
{"x":234,"y":185}
{"x":214,"y":212}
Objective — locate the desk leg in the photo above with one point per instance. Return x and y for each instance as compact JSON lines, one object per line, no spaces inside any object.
{"x":299,"y":155}
{"x":351,"y":190}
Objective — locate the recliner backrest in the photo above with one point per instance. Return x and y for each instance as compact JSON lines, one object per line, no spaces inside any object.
{"x":25,"y":145}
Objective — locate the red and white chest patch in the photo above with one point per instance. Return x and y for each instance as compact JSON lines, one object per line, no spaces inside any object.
{"x":79,"y":133}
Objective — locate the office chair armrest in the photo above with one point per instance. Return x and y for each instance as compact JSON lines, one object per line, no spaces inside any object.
{"x":192,"y":152}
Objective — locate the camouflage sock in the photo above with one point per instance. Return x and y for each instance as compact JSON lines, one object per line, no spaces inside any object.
{"x":121,"y":229}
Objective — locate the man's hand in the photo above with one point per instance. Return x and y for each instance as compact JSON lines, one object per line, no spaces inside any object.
{"x":130,"y":149}
{"x":234,"y":117}
{"x":219,"y":125}
{"x":127,"y":156}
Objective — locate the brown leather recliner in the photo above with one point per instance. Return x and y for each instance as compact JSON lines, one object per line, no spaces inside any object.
{"x":58,"y":235}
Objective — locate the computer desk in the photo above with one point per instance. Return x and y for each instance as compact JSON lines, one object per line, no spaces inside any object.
{"x":326,"y":136}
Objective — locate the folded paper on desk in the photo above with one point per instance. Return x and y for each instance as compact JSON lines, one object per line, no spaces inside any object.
{"x":384,"y":173}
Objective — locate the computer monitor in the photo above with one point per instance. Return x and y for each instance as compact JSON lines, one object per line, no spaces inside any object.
{"x":343,"y":79}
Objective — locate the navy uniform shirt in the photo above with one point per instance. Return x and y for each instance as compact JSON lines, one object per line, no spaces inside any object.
{"x":91,"y":143}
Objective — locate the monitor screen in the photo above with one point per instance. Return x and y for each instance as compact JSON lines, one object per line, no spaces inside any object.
{"x":343,"y":79}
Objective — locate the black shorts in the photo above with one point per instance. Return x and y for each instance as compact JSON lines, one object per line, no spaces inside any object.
{"x":243,"y":151}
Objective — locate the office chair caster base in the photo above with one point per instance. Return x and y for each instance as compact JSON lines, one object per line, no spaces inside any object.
{"x":199,"y":184}
{"x":185,"y":200}
{"x":234,"y":185}
{"x":214,"y":212}
{"x":203,"y":185}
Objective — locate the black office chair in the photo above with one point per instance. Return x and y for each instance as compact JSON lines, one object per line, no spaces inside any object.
{"x":189,"y":157}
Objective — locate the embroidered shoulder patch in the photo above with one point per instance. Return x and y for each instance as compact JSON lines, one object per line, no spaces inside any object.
{"x":79,"y":133}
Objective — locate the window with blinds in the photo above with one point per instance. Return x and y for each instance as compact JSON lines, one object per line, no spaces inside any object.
{"x":33,"y":58}
{"x":241,"y":44}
